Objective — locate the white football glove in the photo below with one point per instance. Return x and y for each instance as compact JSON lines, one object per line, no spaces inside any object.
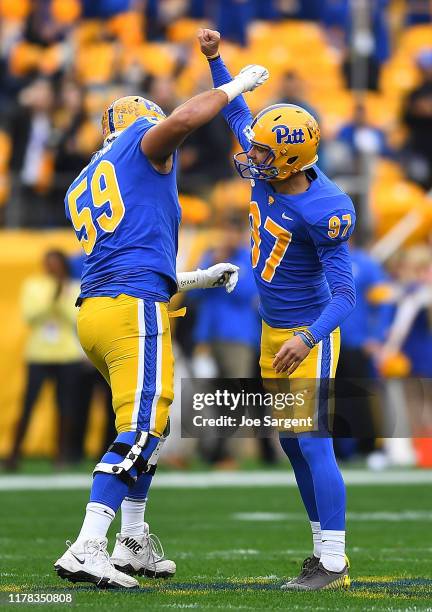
{"x":253,"y":76}
{"x":219,"y":275}
{"x":248,"y":79}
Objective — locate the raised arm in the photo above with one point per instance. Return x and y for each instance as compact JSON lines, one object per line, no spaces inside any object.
{"x":164,"y":138}
{"x":237,"y":113}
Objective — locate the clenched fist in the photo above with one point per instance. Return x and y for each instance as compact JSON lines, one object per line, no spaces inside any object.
{"x":209,"y":41}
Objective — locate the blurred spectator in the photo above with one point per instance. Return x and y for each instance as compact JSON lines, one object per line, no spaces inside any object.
{"x":362,"y":334}
{"x":291,"y":91}
{"x":408,"y":350}
{"x":73,"y":142}
{"x":417,"y":116}
{"x":411,"y":330}
{"x":53,"y":351}
{"x":89,"y":383}
{"x":162,"y":90}
{"x":360,"y":137}
{"x":205,"y":157}
{"x":360,"y":31}
{"x":30,"y":127}
{"x":227,"y":327}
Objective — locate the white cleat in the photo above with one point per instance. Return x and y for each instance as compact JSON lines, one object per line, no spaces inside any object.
{"x":89,"y":561}
{"x":142,"y":555}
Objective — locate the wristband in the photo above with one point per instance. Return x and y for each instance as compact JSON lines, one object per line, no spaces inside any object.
{"x":189,"y":280}
{"x":232,"y":89}
{"x":307,"y":337}
{"x":211,"y":58}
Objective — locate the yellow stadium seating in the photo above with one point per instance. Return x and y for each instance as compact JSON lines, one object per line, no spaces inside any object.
{"x":65,"y":11}
{"x":392,"y":199}
{"x":194,"y":210}
{"x":232,"y":193}
{"x":96,"y":63}
{"x":128,"y":28}
{"x":185,"y":30}
{"x":15,"y":11}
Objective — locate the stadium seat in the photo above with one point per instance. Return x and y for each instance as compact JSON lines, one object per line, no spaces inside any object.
{"x":235,"y":193}
{"x":96,"y":63}
{"x":128,"y":28}
{"x":66,"y":12}
{"x":194,"y":210}
{"x":185,"y":30}
{"x":15,"y":11}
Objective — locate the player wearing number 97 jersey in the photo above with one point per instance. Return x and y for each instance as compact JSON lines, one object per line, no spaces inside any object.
{"x":125,"y":211}
{"x":300,"y":222}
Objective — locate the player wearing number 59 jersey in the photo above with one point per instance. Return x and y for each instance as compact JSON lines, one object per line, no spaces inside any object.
{"x":125,"y":211}
{"x":300,"y":222}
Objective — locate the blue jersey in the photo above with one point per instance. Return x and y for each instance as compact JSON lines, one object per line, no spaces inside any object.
{"x":126,"y":215}
{"x":299,"y":253}
{"x":289,"y":237}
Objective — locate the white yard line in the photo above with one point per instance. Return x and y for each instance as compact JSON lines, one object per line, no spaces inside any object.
{"x":207,"y":480}
{"x":404,"y":515}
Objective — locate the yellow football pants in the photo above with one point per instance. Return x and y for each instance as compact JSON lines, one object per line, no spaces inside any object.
{"x":129,"y":341}
{"x":320,"y":364}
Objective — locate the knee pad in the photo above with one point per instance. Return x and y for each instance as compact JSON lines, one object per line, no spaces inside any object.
{"x":127,"y":457}
{"x":131,"y":454}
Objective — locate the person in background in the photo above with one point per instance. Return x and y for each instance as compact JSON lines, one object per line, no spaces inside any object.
{"x":362,"y":334}
{"x":291,"y":91}
{"x":411,"y":329}
{"x":360,"y":137}
{"x":89,"y":382}
{"x":30,"y":127}
{"x":227,"y":331}
{"x":74,"y":140}
{"x":53,"y":351}
{"x":417,"y":116}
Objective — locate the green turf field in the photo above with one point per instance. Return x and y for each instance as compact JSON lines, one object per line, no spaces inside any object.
{"x":229,"y":558}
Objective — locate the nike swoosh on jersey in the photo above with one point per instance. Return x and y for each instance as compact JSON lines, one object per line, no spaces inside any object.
{"x":284,"y":216}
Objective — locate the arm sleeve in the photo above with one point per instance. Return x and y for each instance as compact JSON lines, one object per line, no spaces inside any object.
{"x":236,"y":113}
{"x":336,"y":262}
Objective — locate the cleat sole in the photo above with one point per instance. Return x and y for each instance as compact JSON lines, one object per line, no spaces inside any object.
{"x":131,"y":571}
{"x":81,"y":576}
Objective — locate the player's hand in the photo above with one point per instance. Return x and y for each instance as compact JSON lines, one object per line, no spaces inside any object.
{"x":220,"y":275}
{"x":290,"y":355}
{"x":252,"y":76}
{"x":209,"y":41}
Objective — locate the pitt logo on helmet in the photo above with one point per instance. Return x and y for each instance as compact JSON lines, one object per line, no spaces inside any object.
{"x":290,"y":135}
{"x":125,"y":111}
{"x":283,"y":134}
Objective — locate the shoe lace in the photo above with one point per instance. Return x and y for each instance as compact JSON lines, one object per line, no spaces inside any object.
{"x":98,"y":549}
{"x":156,"y":551}
{"x":307,"y":562}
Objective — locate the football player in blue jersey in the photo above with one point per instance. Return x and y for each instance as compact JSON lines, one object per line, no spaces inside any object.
{"x":125,"y":211}
{"x":300,"y":222}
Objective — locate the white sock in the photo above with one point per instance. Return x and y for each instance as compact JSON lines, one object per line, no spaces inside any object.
{"x":97,"y":521}
{"x":132,"y":516}
{"x":316,"y":537}
{"x":333,"y":550}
